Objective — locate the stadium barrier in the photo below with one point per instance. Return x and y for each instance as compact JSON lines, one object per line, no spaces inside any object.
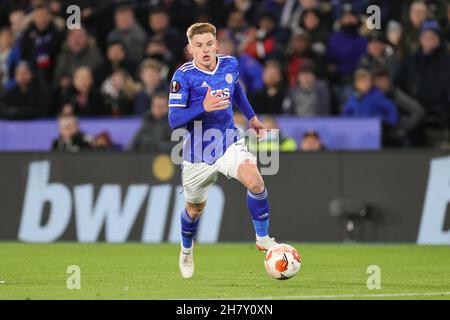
{"x":336,"y":133}
{"x":90,"y":197}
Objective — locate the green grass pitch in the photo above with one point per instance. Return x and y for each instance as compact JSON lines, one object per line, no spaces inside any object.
{"x":223,"y":271}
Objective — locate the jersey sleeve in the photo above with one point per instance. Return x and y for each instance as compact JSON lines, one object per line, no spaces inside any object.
{"x":179,"y":113}
{"x":240,"y":100}
{"x":179,"y":90}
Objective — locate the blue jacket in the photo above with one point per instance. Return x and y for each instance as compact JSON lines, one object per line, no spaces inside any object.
{"x":345,"y":50}
{"x":373,"y":104}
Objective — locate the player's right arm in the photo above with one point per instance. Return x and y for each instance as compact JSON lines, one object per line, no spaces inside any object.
{"x":179,"y":113}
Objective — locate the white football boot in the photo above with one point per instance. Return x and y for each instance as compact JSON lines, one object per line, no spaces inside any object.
{"x":186,"y":262}
{"x":265,"y":243}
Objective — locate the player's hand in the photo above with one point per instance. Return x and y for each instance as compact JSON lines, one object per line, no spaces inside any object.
{"x":213,"y":102}
{"x":258,"y":127}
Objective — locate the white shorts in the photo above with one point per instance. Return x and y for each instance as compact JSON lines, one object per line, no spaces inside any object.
{"x":197,"y":177}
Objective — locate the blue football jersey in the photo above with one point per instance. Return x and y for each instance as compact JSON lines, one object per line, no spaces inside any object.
{"x":210,"y":133}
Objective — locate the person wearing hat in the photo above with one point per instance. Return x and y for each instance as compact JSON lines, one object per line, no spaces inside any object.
{"x":345,"y":48}
{"x":310,"y":97}
{"x":425,"y":76}
{"x":379,"y":54}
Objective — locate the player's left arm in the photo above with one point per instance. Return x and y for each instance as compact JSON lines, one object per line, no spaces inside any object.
{"x":241,"y":101}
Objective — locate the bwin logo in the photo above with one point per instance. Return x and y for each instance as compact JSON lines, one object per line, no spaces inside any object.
{"x":108,"y":210}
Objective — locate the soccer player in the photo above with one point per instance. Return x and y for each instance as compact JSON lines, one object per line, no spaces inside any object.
{"x":202,"y":93}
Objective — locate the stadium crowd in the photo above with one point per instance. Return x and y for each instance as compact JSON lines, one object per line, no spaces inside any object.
{"x":302,"y":58}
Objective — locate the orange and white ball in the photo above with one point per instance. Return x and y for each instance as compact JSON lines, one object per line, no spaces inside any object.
{"x":282,"y":261}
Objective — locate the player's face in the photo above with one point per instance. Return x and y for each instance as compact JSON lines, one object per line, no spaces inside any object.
{"x":203,"y":48}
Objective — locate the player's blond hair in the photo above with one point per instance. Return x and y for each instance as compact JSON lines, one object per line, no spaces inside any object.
{"x":200,"y":28}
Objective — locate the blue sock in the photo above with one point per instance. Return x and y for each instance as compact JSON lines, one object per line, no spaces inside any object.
{"x":258,"y":205}
{"x":188,"y":228}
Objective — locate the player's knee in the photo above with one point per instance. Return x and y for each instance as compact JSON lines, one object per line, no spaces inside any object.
{"x":195,"y":209}
{"x":256,"y":185}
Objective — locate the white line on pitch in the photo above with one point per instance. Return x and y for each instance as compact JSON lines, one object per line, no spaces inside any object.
{"x":337,"y":296}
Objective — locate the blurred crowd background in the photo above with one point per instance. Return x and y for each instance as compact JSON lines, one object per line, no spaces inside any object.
{"x":299,"y":58}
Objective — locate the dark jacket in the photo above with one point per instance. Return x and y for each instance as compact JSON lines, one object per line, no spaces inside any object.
{"x":427,"y":79}
{"x":94,"y":107}
{"x":410,"y":111}
{"x":69,"y":61}
{"x":263,"y":103}
{"x":153,"y":135}
{"x":40,"y":48}
{"x":78,"y":142}
{"x":34,"y":102}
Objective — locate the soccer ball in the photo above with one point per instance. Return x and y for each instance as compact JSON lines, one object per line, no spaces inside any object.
{"x":282,"y":261}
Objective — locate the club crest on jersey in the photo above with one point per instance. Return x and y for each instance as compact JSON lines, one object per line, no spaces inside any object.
{"x":174,"y":87}
{"x":229,"y":78}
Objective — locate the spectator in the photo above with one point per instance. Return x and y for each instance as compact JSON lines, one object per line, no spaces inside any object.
{"x":129,"y":32}
{"x":447,"y":24}
{"x":247,"y":7}
{"x":269,"y":99}
{"x":16,"y":21}
{"x":301,"y":6}
{"x":154,"y":133}
{"x":157,"y":49}
{"x":310,"y":97}
{"x":116,"y":59}
{"x":119,"y":91}
{"x":41,"y":42}
{"x":411,"y":112}
{"x":235,"y":30}
{"x":83,"y":98}
{"x":344,"y":50}
{"x":299,"y":52}
{"x":394,"y":34}
{"x":103,"y":142}
{"x":311,"y":142}
{"x":313,"y":23}
{"x":159,"y":25}
{"x":6,"y":43}
{"x":369,"y":101}
{"x":418,"y":13}
{"x":151,"y":82}
{"x":261,"y":43}
{"x":79,"y":50}
{"x":28,"y":98}
{"x":71,"y":138}
{"x":250,"y":70}
{"x":425,"y":76}
{"x":272,"y":139}
{"x":379,"y":54}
